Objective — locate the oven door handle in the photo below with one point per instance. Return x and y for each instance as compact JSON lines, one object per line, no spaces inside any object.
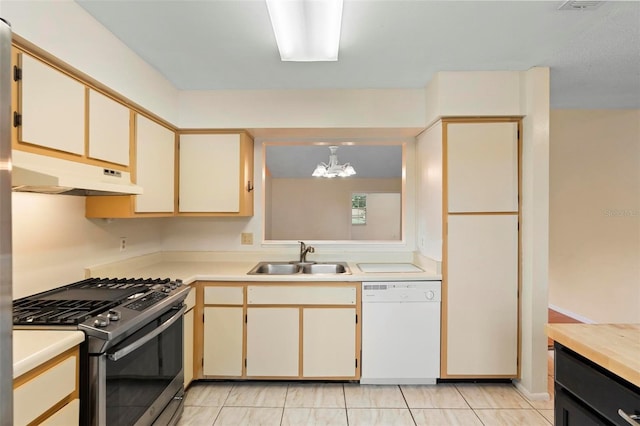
{"x":121,"y":353}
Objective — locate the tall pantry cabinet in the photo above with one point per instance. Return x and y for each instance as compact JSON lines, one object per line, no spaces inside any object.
{"x":480,"y":247}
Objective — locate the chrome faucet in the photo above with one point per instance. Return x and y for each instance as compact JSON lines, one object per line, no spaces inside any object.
{"x":304,"y":249}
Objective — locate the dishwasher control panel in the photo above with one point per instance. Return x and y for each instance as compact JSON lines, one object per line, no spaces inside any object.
{"x":401,"y":291}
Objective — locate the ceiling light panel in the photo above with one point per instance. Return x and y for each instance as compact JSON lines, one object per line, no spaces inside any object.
{"x":306,"y":30}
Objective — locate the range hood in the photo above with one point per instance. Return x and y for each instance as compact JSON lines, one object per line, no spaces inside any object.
{"x":49,"y":175}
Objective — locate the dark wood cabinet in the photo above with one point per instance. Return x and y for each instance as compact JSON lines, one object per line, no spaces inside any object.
{"x":587,"y":394}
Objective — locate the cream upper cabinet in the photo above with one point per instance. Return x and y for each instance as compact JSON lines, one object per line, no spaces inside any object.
{"x":52,"y":106}
{"x":329,"y":343}
{"x":109,"y":129}
{"x":216,"y":172}
{"x":273,"y":342}
{"x":482,"y":167}
{"x":155,"y":166}
{"x":482,"y":298}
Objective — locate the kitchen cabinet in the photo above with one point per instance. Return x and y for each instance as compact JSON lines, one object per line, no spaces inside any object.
{"x":188,"y":341}
{"x":482,"y":167}
{"x":480,"y":180}
{"x":280,"y":331}
{"x":482,"y":298}
{"x":588,"y":394}
{"x":49,"y":392}
{"x":109,"y":129}
{"x":155,"y":149}
{"x":303,"y":331}
{"x":329,"y":342}
{"x":52,"y":108}
{"x":273,"y":339}
{"x":216,"y":174}
{"x":223,"y":328}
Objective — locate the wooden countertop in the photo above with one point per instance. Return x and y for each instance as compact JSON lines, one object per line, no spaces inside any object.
{"x":615,"y":347}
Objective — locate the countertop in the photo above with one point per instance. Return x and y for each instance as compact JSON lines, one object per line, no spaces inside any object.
{"x":615,"y":347}
{"x":32,"y":348}
{"x":236,"y":270}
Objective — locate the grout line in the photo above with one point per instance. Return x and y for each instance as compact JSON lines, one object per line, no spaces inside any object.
{"x":284,"y":403}
{"x":344,"y":397}
{"x":408,"y":408}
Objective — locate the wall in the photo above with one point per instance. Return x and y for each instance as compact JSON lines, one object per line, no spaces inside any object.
{"x":64,"y":29}
{"x":53,"y":242}
{"x":594,"y":252}
{"x":319,"y":209}
{"x":382,"y":108}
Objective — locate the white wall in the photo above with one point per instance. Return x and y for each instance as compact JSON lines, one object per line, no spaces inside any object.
{"x":391,"y":108}
{"x":320,"y":209}
{"x":53,"y":242}
{"x":594,"y":254}
{"x":67,"y":31}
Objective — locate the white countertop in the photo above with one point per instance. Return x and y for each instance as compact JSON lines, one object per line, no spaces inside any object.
{"x":32,"y":348}
{"x":190,"y":271}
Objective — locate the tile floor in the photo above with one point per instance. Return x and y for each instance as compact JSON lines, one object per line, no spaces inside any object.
{"x":294,"y":403}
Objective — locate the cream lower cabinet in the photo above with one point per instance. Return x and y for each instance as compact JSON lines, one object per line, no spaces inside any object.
{"x":49,"y":393}
{"x":279,"y":331}
{"x":273,"y":342}
{"x":223,"y":331}
{"x":329,"y":342}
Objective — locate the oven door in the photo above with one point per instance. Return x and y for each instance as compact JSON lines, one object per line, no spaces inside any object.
{"x":141,"y":378}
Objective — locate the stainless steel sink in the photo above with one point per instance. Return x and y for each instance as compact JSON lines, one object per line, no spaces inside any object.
{"x":306,"y":268}
{"x":325,"y":268}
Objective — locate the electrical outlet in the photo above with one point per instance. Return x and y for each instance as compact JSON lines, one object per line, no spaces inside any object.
{"x":246,"y":238}
{"x":123,"y":243}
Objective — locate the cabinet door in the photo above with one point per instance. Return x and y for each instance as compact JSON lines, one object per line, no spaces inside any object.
{"x":52,"y":106}
{"x":482,"y":167}
{"x":329,"y":342}
{"x":66,"y":416}
{"x":482,"y":299}
{"x":273,"y":342}
{"x":109,"y":129}
{"x":210,"y":179}
{"x":570,"y":412}
{"x":155,"y":166}
{"x":188,"y":347}
{"x":222,"y":341}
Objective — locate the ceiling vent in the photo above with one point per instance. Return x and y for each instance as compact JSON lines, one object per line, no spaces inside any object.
{"x":580,"y":5}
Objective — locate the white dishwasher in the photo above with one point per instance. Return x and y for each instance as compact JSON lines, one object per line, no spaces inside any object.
{"x":400,"y":332}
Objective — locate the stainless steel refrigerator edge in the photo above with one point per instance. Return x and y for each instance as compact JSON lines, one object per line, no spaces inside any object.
{"x":6,"y":321}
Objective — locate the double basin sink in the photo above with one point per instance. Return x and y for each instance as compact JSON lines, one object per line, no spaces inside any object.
{"x":292,"y":268}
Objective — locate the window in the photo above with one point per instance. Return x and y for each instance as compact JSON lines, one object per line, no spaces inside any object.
{"x":359,"y":209}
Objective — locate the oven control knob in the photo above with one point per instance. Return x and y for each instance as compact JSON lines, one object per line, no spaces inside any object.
{"x":166,"y":289}
{"x":101,"y":321}
{"x":113,"y":315}
{"x":179,"y":283}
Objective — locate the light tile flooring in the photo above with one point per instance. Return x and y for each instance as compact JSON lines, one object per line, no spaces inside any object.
{"x":294,"y":403}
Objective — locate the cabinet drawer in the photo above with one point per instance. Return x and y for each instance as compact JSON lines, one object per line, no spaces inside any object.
{"x":66,"y":416}
{"x":223,"y":296}
{"x":604,"y":392}
{"x":33,"y":398}
{"x":292,"y":295}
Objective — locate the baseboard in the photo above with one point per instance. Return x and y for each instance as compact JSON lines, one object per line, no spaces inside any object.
{"x":572,"y":314}
{"x":539,"y":396}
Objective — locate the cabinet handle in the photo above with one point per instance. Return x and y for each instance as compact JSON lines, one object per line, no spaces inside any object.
{"x":629,"y":418}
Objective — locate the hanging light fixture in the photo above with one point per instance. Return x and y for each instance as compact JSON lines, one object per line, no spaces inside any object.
{"x":333,"y":168}
{"x":306,"y":30}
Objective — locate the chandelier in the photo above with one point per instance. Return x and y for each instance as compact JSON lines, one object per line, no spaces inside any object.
{"x":333,"y":169}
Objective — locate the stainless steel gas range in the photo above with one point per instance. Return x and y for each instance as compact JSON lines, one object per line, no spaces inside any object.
{"x":131,"y":367}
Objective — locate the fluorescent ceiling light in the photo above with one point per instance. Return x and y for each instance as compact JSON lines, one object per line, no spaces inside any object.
{"x":306,"y":30}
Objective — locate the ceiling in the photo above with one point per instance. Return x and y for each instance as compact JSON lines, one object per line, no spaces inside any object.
{"x":369,"y":161}
{"x":594,"y":55}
